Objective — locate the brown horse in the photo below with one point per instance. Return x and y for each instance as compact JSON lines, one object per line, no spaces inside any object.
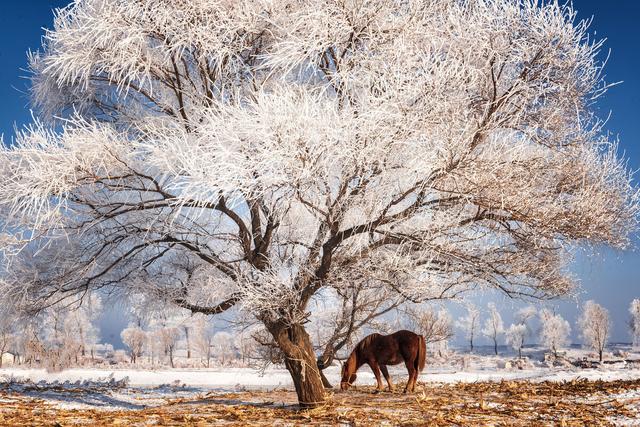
{"x":378,"y":351}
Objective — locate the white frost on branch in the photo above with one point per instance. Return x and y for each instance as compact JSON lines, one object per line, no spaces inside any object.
{"x":594,"y":326}
{"x":555,"y":331}
{"x":515,"y":335}
{"x":430,"y":159}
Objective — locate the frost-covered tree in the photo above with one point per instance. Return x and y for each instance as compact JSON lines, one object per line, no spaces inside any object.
{"x":594,"y":326}
{"x":470,"y":324}
{"x":29,"y":344}
{"x":203,"y":338}
{"x":167,"y":337}
{"x":291,"y":147}
{"x":634,"y":322}
{"x":81,"y":323}
{"x":434,"y":326}
{"x":525,"y":316}
{"x":493,"y":326}
{"x":515,"y":335}
{"x":59,"y":329}
{"x":224,"y":347}
{"x":154,"y":348}
{"x":7,"y":337}
{"x":140,"y":310}
{"x":135,"y":338}
{"x":555,"y":330}
{"x":244,"y":341}
{"x":165,"y":326}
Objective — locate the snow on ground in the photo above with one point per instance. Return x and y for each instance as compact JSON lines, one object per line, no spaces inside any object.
{"x":221,"y":379}
{"x":136,"y":389}
{"x":234,"y":379}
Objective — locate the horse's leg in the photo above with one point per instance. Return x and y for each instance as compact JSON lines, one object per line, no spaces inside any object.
{"x":376,"y":371}
{"x":412,"y":372}
{"x":385,"y":372}
{"x":416,"y":372}
{"x":414,"y":380}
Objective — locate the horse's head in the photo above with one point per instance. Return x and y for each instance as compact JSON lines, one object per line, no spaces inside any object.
{"x":348,"y":373}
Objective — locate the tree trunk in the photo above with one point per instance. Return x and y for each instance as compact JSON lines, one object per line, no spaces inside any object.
{"x":495,"y":346}
{"x":4,"y":347}
{"x":600,"y":355}
{"x":301,"y":362}
{"x":325,"y":381}
{"x":186,"y":334}
{"x":324,"y":361}
{"x":471,"y":344}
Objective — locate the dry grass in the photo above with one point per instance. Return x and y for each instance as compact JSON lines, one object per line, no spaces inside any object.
{"x":507,"y":403}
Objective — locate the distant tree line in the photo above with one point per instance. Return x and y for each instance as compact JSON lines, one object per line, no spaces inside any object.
{"x":61,"y":338}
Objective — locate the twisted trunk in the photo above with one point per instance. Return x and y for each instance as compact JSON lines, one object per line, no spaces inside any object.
{"x":300,"y":361}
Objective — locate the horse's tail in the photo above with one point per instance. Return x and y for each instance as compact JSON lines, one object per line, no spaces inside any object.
{"x":422,"y":354}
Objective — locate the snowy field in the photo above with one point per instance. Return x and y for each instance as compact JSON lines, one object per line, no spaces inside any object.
{"x":136,"y":389}
{"x":195,"y":381}
{"x":126,"y":389}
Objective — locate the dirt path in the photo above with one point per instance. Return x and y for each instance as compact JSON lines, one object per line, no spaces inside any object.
{"x":507,"y":403}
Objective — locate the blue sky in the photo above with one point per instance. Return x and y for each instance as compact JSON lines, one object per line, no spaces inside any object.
{"x":607,"y":276}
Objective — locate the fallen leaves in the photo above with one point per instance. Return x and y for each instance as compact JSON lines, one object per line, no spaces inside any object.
{"x":506,"y":403}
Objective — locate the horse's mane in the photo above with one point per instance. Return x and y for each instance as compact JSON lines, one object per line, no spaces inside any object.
{"x":366,"y":342}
